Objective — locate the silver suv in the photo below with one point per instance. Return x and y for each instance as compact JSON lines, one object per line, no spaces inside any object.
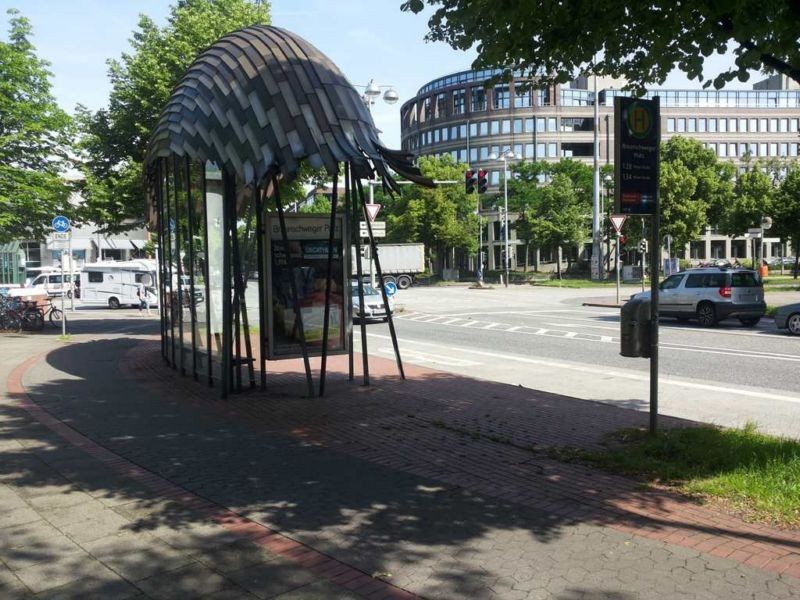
{"x":712,"y":294}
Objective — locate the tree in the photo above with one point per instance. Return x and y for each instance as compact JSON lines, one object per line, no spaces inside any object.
{"x":114,"y":140}
{"x":786,"y":212}
{"x":34,"y":138}
{"x":641,"y":42}
{"x":443,"y":218}
{"x":752,"y":200}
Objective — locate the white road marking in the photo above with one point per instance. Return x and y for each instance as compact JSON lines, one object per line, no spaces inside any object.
{"x":605,"y":373}
{"x":429,"y":359}
{"x":509,"y":312}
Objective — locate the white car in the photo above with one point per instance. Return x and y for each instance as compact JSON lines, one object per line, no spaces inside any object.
{"x":373,"y":304}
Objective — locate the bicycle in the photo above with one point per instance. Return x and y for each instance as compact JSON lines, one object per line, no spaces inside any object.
{"x":54,"y":314}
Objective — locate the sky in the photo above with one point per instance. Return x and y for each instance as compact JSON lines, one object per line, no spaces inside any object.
{"x":367,"y":39}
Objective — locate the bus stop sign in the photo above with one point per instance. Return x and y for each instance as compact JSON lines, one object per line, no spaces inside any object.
{"x":637,"y":137}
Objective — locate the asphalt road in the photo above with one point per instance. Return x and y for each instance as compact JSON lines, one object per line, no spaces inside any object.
{"x":544,"y":338}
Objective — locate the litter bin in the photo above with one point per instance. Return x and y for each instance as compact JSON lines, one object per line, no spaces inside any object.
{"x":635,"y":328}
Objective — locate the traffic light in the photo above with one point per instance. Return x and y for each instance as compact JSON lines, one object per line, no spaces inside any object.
{"x":643,"y":246}
{"x":482,"y":183}
{"x":622,"y":240}
{"x":469,"y":181}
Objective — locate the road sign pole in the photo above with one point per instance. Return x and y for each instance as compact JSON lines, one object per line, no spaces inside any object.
{"x":618,"y":261}
{"x":63,"y":291}
{"x":370,"y":217}
{"x":71,"y":277}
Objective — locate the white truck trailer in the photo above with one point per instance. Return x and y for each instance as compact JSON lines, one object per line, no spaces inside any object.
{"x":399,"y":262}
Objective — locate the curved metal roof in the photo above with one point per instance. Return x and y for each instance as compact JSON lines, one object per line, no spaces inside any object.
{"x":263,"y":99}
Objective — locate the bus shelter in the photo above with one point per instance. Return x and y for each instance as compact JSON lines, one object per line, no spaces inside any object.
{"x":241,"y":279}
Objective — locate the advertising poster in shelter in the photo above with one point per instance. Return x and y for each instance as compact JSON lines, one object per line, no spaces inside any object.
{"x":308,"y":256}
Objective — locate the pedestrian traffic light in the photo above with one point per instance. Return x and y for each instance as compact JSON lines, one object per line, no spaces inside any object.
{"x":642,"y":246}
{"x":622,"y":240}
{"x":482,"y":181}
{"x":469,"y":181}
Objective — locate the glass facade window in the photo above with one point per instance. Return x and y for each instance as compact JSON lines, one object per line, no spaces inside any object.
{"x":671,"y":125}
{"x":517,"y":125}
{"x":743,"y":149}
{"x":551,"y":124}
{"x":732,"y":150}
{"x":540,"y":151}
{"x":529,"y":125}
{"x":712,"y":125}
{"x":723,"y":125}
{"x":691,"y":125}
{"x":733,"y":125}
{"x":441,"y":105}
{"x":454,"y":133}
{"x":793,"y":125}
{"x":495,"y":128}
{"x":543,"y":97}
{"x":484,"y":128}
{"x":505,"y":128}
{"x":528,"y":151}
{"x":752,"y":149}
{"x":445,"y":132}
{"x":540,"y":124}
{"x":427,"y":109}
{"x":784,"y":150}
{"x":473,"y":155}
{"x":681,"y":125}
{"x":784,"y":126}
{"x":792,"y":149}
{"x":743,"y":125}
{"x":753,"y":125}
{"x":773,"y":149}
{"x":576,"y":124}
{"x":522,"y":96}
{"x":462,"y":155}
{"x":701,"y":125}
{"x":773,"y":125}
{"x":502,"y":98}
{"x":723,"y":150}
{"x":762,"y":126}
{"x":552,"y":151}
{"x":576,"y":97}
{"x":518,"y":150}
{"x":435,"y":136}
{"x":459,"y":101}
{"x":484,"y":153}
{"x":473,"y":130}
{"x":478,"y":98}
{"x":462,"y":131}
{"x":494,"y":178}
{"x":762,"y":149}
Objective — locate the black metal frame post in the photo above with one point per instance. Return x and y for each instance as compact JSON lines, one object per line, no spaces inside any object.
{"x":192,"y":304}
{"x":354,"y":188}
{"x":228,"y":196}
{"x":236,"y":301}
{"x":655,"y":256}
{"x":169,"y":264}
{"x":325,"y":325}
{"x":348,"y":292}
{"x":376,"y":258}
{"x":290,"y":267}
{"x":159,"y":191}
{"x":179,"y":266}
{"x":262,"y":322}
{"x":207,"y":275}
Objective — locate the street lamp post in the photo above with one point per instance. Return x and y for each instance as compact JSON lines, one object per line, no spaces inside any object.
{"x":371,"y":92}
{"x":505,"y":155}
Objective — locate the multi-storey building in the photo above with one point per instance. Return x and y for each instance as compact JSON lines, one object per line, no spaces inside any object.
{"x":458,"y":115}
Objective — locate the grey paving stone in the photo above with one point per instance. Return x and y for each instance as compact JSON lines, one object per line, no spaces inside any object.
{"x":18,"y":516}
{"x":268,"y":580}
{"x":105,"y":585}
{"x":55,"y":573}
{"x":194,"y":579}
{"x":320,"y":590}
{"x":228,"y":558}
{"x":11,"y":586}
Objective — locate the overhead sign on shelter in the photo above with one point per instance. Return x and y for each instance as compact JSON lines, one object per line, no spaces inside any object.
{"x":637,"y":136}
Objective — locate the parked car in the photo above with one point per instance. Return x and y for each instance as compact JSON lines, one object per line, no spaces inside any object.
{"x":712,"y":294}
{"x":373,"y":304}
{"x":788,"y":317}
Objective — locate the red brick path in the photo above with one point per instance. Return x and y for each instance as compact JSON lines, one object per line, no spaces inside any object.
{"x":484,"y":437}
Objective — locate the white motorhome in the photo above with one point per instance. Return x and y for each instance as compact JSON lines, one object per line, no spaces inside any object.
{"x":116,"y":283}
{"x":51,"y":282}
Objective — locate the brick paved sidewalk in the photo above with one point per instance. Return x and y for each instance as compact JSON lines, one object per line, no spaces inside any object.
{"x":428,"y":483}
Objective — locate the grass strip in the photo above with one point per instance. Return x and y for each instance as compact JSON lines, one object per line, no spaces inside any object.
{"x":755,"y":473}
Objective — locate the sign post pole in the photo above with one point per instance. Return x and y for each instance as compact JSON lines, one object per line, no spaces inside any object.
{"x":63,"y":292}
{"x":636,"y":167}
{"x":618,"y":261}
{"x":71,"y":277}
{"x":618,"y":221}
{"x":62,"y":229}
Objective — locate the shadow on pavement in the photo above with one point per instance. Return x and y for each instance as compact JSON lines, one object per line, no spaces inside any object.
{"x":441,"y":481}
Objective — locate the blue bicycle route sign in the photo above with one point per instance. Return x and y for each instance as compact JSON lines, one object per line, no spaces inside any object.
{"x":61,"y":224}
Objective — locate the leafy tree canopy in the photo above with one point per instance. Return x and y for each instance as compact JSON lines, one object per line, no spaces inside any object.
{"x":115,"y":139}
{"x":34,"y":137}
{"x":442,"y":218}
{"x":786,"y":211}
{"x":641,"y":42}
{"x":751,"y":202}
